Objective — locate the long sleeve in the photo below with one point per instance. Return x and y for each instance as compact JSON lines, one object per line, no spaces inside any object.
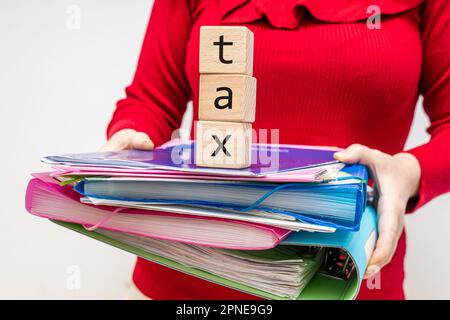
{"x":157,"y":97}
{"x":434,"y":156}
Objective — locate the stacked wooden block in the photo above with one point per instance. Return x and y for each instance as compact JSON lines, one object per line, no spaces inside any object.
{"x":227,"y":98}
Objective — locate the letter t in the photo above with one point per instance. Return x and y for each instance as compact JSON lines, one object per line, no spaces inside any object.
{"x":221,"y":43}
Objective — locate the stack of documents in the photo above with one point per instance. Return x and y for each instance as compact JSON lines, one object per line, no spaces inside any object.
{"x":283,"y":271}
{"x":269,"y":230}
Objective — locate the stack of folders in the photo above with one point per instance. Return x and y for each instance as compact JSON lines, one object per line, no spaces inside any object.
{"x":294,"y":225}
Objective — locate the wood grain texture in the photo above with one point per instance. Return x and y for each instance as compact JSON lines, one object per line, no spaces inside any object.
{"x":240,"y":52}
{"x":235,"y":103}
{"x":223,"y":144}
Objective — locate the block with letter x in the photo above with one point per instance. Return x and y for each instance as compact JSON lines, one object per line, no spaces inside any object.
{"x":223,"y":144}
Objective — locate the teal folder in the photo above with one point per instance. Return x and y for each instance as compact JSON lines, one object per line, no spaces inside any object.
{"x":359,"y":245}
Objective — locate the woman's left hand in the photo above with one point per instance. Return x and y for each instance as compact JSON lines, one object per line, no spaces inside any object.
{"x":396,"y":179}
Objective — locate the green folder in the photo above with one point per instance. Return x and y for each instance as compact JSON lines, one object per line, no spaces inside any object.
{"x":358,"y":245}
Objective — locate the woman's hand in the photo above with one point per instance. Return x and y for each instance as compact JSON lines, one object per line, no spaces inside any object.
{"x":128,"y":139}
{"x":396,"y":179}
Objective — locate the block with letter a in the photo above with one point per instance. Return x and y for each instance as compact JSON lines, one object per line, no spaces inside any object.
{"x":230,"y":97}
{"x":223,"y":144}
{"x":227,"y":98}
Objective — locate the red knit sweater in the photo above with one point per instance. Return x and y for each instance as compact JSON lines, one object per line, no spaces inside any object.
{"x":324,"y":78}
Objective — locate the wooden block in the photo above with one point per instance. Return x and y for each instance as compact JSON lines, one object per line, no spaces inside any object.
{"x":223,"y":144}
{"x":227,"y":97}
{"x":226,"y":50}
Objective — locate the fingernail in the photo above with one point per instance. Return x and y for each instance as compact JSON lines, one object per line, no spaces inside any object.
{"x":371,"y":270}
{"x":338,"y":155}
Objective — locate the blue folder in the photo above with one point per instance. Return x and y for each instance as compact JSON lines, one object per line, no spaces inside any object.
{"x":355,"y":191}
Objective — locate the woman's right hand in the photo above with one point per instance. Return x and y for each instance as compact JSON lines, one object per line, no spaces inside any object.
{"x":128,"y":139}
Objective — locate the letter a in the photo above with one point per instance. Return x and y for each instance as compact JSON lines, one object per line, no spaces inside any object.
{"x":228,"y":97}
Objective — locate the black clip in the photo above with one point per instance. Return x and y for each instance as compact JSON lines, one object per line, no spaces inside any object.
{"x":338,"y":263}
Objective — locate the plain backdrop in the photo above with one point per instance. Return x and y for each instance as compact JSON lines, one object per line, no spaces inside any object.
{"x":60,"y":78}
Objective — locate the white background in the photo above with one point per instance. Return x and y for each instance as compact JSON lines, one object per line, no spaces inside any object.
{"x":58,"y":88}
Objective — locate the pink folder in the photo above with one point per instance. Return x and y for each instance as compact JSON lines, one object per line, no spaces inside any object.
{"x":47,"y":199}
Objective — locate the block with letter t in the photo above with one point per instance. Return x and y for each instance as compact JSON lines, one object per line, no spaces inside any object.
{"x":226,"y":49}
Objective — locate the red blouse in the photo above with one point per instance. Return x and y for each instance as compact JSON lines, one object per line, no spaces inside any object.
{"x":324,"y":78}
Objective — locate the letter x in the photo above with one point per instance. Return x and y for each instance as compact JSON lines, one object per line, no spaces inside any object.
{"x":221,"y":145}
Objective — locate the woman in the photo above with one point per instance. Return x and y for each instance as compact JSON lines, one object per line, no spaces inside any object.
{"x":325,"y":77}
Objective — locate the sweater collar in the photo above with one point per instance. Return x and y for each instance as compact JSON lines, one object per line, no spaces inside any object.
{"x":289,"y":13}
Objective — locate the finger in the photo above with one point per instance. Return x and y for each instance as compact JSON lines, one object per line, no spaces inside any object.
{"x":382,"y":255}
{"x":357,"y":153}
{"x":142,"y":141}
{"x":121,"y":140}
{"x":390,"y":226}
{"x":112,"y":145}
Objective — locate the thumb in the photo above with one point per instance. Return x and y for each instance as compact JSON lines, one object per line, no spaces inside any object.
{"x":142,"y":141}
{"x":355,"y":153}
